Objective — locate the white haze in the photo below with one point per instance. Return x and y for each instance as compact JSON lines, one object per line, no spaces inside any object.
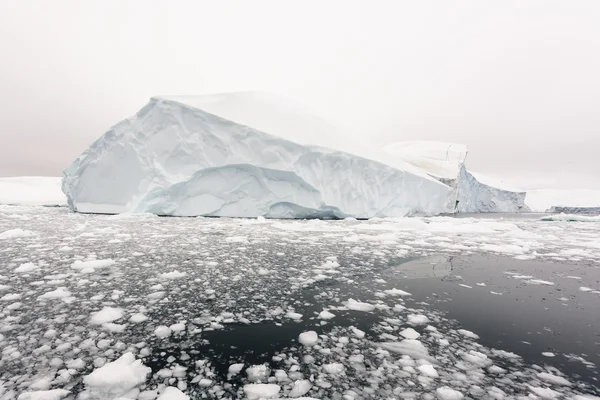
{"x":517,"y":81}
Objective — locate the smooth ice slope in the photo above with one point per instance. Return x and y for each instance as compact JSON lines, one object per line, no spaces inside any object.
{"x":438,"y":159}
{"x":32,"y":191}
{"x":172,"y":158}
{"x":544,"y":199}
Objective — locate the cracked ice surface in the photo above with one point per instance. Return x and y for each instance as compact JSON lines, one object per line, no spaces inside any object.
{"x":154,"y":296}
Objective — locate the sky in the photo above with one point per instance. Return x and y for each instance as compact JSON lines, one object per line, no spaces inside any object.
{"x":518,"y":81}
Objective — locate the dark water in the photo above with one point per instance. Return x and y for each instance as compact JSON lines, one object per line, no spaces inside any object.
{"x":526,"y":319}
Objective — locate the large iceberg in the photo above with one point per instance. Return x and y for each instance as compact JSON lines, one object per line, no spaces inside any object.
{"x":231,"y":155}
{"x":471,"y":192}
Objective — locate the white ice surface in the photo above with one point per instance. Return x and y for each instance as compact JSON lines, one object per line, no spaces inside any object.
{"x":32,"y":191}
{"x":174,"y":159}
{"x":439,"y":159}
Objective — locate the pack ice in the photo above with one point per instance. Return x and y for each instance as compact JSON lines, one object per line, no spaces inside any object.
{"x":240,"y":155}
{"x":470,"y":192}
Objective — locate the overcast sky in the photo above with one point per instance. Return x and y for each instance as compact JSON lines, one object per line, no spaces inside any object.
{"x":517,"y":81}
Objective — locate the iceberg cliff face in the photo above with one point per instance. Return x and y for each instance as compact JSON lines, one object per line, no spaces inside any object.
{"x":473,"y":193}
{"x":476,"y":194}
{"x":173,"y":158}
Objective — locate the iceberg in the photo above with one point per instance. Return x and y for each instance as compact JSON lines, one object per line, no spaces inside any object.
{"x":471,"y":192}
{"x":478,"y":193}
{"x":232,"y":155}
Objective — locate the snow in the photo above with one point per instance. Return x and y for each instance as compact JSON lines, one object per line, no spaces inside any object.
{"x":32,"y":191}
{"x":218,"y":167}
{"x":542,"y":200}
{"x":309,"y":338}
{"x":118,"y":377}
{"x":258,"y":391}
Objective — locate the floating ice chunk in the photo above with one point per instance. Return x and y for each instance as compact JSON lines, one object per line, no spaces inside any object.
{"x":428,"y":371}
{"x":59,"y":293}
{"x":410,"y":333}
{"x":585,"y":289}
{"x":468,"y":334}
{"x":300,"y":388}
{"x":27,"y":267}
{"x":334,"y":368}
{"x":107,"y":314}
{"x":235,"y":369}
{"x":116,"y":378}
{"x":55,"y":394}
{"x":554,"y":379}
{"x":112,"y":327}
{"x":162,"y":331}
{"x":172,"y":393}
{"x":95,"y":264}
{"x":179,"y":327}
{"x":352,"y":304}
{"x":396,"y":292}
{"x":205,"y":382}
{"x":137,"y":318}
{"x":326,"y":315}
{"x":258,"y":391}
{"x":540,"y":282}
{"x":409,"y":347}
{"x":173,"y":275}
{"x":447,"y":393}
{"x":545,"y":393}
{"x":417,"y":319}
{"x":547,"y":354}
{"x":309,"y":338}
{"x":16,"y":233}
{"x":258,"y":373}
{"x":294,"y":315}
{"x":10,"y":297}
{"x":358,"y":333}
